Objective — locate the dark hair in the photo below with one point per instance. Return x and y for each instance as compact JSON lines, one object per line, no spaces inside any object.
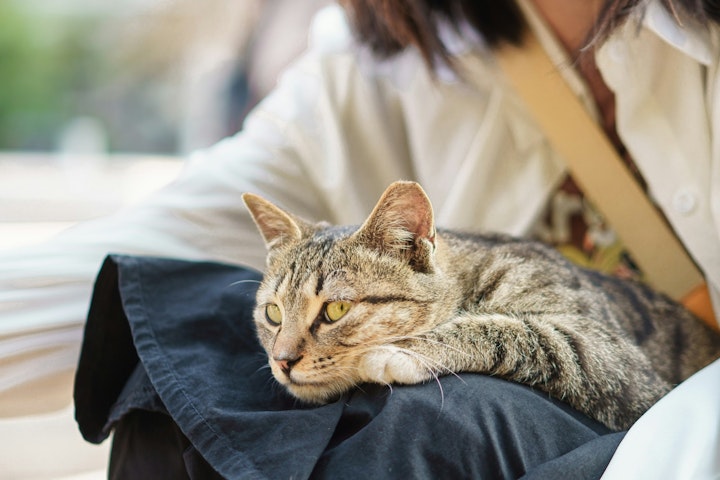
{"x":389,"y":26}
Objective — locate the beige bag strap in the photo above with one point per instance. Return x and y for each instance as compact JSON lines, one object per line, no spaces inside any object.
{"x":598,"y":169}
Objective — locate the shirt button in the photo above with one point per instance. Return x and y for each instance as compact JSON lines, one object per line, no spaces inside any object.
{"x":684,"y":202}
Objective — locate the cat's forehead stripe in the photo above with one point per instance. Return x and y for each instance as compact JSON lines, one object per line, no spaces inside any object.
{"x":282,"y":280}
{"x":310,"y":260}
{"x":389,"y":299}
{"x":320,"y":283}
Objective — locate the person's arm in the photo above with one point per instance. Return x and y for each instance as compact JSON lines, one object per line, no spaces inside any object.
{"x":678,"y":437}
{"x":198,"y":216}
{"x":280,"y":153}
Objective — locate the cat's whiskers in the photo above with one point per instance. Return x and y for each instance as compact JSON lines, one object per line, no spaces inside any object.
{"x":239,"y":282}
{"x":430,"y":341}
{"x":433,"y":367}
{"x":263,"y":367}
{"x":338,"y":372}
{"x":335,"y":377}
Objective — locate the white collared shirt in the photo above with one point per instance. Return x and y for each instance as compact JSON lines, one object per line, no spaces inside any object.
{"x":666,"y":84}
{"x":341,"y":126}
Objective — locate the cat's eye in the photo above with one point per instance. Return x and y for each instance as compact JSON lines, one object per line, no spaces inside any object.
{"x":336,"y":310}
{"x":273,"y":314}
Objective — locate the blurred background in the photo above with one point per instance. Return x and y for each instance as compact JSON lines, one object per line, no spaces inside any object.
{"x":99,"y":99}
{"x":91,"y":91}
{"x":99,"y":103}
{"x":150,"y":76}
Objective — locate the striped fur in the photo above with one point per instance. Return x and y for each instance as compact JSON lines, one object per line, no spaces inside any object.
{"x":426,"y":303}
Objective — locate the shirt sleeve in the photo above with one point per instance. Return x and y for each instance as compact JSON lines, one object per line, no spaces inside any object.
{"x":678,"y":437}
{"x":45,"y":289}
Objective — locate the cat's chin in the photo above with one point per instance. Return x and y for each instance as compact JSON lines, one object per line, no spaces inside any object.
{"x":315,"y":393}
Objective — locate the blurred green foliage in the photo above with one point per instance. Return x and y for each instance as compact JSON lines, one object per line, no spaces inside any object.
{"x":45,"y":63}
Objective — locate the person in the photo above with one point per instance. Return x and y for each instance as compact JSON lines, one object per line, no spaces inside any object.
{"x":380,"y":95}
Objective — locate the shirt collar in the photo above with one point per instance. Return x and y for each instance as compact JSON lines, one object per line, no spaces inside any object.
{"x":690,"y":38}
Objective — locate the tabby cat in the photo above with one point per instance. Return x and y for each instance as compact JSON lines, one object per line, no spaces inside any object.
{"x":397,"y":301}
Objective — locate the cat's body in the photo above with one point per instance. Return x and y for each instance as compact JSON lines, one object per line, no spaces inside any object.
{"x":392,"y":302}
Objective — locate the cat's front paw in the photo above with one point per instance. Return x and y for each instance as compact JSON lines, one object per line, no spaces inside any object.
{"x":391,"y":364}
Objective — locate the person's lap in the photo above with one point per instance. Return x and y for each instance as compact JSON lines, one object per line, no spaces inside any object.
{"x":200,"y":396}
{"x":471,"y":426}
{"x":475,"y":427}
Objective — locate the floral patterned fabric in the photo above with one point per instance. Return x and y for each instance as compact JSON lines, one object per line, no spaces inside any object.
{"x":576,"y":228}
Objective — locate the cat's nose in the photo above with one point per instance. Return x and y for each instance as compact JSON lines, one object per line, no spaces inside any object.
{"x":286,"y":364}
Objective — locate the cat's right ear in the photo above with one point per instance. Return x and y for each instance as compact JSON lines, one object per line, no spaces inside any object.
{"x":276,"y":226}
{"x":402,"y":223}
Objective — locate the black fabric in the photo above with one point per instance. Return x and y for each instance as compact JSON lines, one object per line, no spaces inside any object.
{"x":588,"y":460}
{"x":149,"y":444}
{"x":470,"y":426}
{"x":170,"y":359}
{"x":107,"y":356}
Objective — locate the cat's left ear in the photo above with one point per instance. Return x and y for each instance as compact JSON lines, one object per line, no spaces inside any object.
{"x":402,"y":223}
{"x":276,"y":226}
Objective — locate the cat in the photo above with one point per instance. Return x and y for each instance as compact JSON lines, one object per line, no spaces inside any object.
{"x":395,"y":301}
